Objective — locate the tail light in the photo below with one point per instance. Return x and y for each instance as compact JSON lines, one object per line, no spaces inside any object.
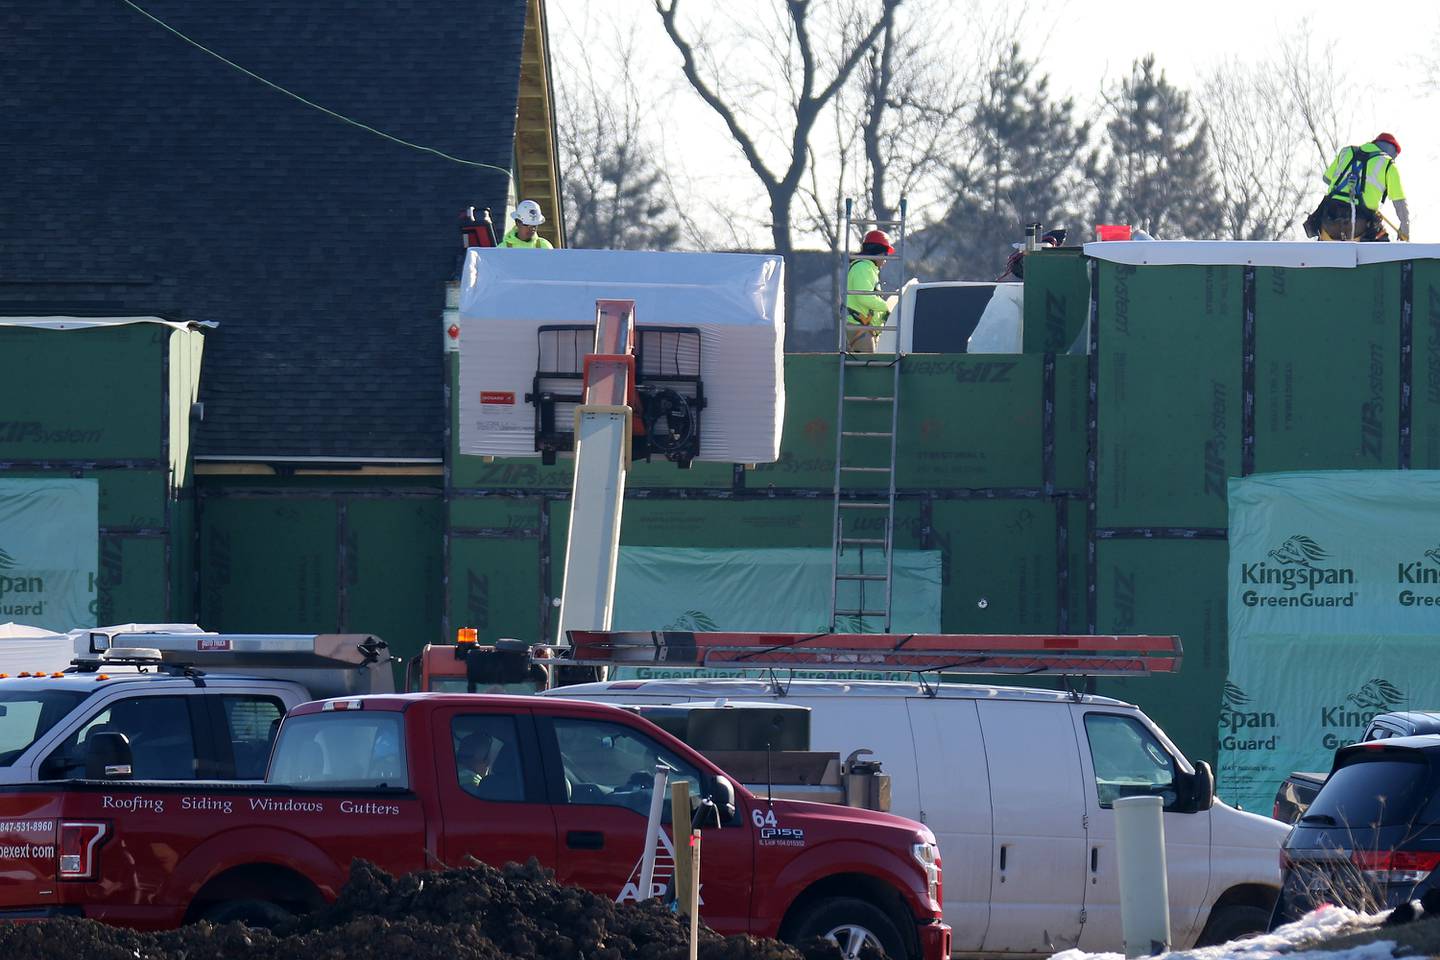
{"x":1396,"y":866}
{"x":79,"y":848}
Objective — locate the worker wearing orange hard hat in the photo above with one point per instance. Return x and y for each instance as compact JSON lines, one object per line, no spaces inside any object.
{"x":863,"y":308}
{"x":1359,"y":180}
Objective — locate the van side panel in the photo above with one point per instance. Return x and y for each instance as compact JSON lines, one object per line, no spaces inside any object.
{"x":955,"y":804}
{"x":1038,"y":883}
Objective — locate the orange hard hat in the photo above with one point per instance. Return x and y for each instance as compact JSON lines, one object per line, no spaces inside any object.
{"x":879,"y":238}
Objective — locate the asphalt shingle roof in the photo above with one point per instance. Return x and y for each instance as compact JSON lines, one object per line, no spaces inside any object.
{"x":143,"y":175}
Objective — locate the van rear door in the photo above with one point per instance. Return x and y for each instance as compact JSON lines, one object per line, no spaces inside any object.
{"x":1037,"y":881}
{"x":955,"y":804}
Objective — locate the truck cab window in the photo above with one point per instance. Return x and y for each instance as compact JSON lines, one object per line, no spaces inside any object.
{"x":1127,"y":759}
{"x":162,"y":742}
{"x":612,"y":765}
{"x":361,"y":749}
{"x":250,"y":722}
{"x":27,"y":716}
{"x":487,"y":757}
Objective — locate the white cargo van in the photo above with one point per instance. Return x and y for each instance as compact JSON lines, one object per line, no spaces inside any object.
{"x":1017,"y":785}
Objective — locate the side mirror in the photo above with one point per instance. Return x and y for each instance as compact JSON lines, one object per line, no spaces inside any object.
{"x":721,"y":800}
{"x":705,"y":815}
{"x":108,"y":757}
{"x":1204,"y":786}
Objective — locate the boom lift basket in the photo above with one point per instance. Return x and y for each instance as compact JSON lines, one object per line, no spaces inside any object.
{"x":1082,"y":655}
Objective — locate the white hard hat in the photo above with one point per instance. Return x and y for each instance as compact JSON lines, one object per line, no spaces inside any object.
{"x":528,"y":213}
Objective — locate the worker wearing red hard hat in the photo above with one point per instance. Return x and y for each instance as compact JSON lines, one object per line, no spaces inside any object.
{"x":1360,"y":179}
{"x":863,"y":308}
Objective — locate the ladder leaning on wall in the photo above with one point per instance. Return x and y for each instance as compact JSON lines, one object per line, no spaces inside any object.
{"x":866,"y":423}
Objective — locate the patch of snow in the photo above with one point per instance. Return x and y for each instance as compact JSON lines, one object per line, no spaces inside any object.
{"x":1288,"y":941}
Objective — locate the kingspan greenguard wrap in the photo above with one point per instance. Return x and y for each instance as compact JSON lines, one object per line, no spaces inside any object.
{"x":781,"y":589}
{"x":49,"y":548}
{"x":1334,"y":602}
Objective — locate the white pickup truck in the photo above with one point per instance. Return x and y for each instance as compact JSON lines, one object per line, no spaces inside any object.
{"x":192,"y":705}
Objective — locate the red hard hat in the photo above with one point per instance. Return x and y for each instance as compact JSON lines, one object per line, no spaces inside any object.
{"x":1388,"y":138}
{"x":880,"y":237}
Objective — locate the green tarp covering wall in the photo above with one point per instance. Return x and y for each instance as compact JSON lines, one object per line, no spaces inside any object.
{"x":1334,"y":592}
{"x":49,"y":538}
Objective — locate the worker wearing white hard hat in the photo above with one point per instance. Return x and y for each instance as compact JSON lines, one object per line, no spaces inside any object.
{"x":527,"y":217}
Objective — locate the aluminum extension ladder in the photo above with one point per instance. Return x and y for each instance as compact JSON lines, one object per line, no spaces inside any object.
{"x":862,"y":562}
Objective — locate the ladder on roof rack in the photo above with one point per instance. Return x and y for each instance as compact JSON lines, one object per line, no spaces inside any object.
{"x":915,"y":652}
{"x":866,"y":423}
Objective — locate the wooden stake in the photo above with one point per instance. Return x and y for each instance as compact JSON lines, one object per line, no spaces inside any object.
{"x":680,"y":831}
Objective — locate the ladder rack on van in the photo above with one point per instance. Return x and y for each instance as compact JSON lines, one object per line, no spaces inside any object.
{"x":1081,"y":655}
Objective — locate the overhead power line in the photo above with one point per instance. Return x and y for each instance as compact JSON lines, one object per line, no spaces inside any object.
{"x":310,"y":103}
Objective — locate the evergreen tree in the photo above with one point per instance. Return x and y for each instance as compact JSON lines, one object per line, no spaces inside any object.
{"x":1023,"y":166}
{"x":1153,"y":169}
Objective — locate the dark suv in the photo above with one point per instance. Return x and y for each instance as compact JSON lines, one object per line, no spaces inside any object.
{"x":1371,"y":838}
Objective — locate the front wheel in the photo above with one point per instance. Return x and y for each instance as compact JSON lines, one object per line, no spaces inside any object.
{"x":252,"y":913}
{"x":850,"y":924}
{"x":1233,"y":923}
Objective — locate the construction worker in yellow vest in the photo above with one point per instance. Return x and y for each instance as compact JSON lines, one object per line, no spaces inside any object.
{"x":522,"y":234}
{"x":865,"y":309}
{"x":1360,"y":179}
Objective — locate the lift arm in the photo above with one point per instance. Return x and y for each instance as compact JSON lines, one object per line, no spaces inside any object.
{"x":604,"y":425}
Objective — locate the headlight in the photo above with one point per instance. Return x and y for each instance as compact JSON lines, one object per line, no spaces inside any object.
{"x":928,"y":856}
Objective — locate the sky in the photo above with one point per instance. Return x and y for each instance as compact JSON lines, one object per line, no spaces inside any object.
{"x":1391,"y":49}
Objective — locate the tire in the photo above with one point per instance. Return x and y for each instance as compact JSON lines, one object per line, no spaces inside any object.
{"x":1233,"y":923}
{"x":252,"y":913}
{"x":848,"y":923}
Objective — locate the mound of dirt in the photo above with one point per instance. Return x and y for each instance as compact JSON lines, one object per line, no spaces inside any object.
{"x":475,"y":913}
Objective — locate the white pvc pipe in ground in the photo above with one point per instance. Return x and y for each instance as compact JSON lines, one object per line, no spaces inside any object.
{"x":1144,"y":893}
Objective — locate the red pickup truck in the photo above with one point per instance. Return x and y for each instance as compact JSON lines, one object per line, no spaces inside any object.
{"x":423,"y":780}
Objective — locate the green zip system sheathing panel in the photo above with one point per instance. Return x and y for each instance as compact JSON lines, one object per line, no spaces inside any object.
{"x":1169,"y":394}
{"x":1170,"y":587}
{"x":495,"y":574}
{"x":1425,"y":447}
{"x":1327,"y":361}
{"x":971,"y":422}
{"x":392,"y":567}
{"x":356,"y":559}
{"x":1057,"y":297}
{"x":269,"y":565}
{"x":131,"y":585}
{"x":83,"y":395}
{"x":1000,"y":566}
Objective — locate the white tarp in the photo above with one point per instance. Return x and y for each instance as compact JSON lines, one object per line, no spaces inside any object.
{"x":1258,"y":253}
{"x":82,"y":323}
{"x":25,"y":647}
{"x":735,"y":300}
{"x":49,"y":550}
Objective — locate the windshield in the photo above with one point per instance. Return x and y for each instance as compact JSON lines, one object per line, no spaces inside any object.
{"x":461,"y":685}
{"x":357,"y":749}
{"x":1370,"y":793}
{"x":26,"y":715}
